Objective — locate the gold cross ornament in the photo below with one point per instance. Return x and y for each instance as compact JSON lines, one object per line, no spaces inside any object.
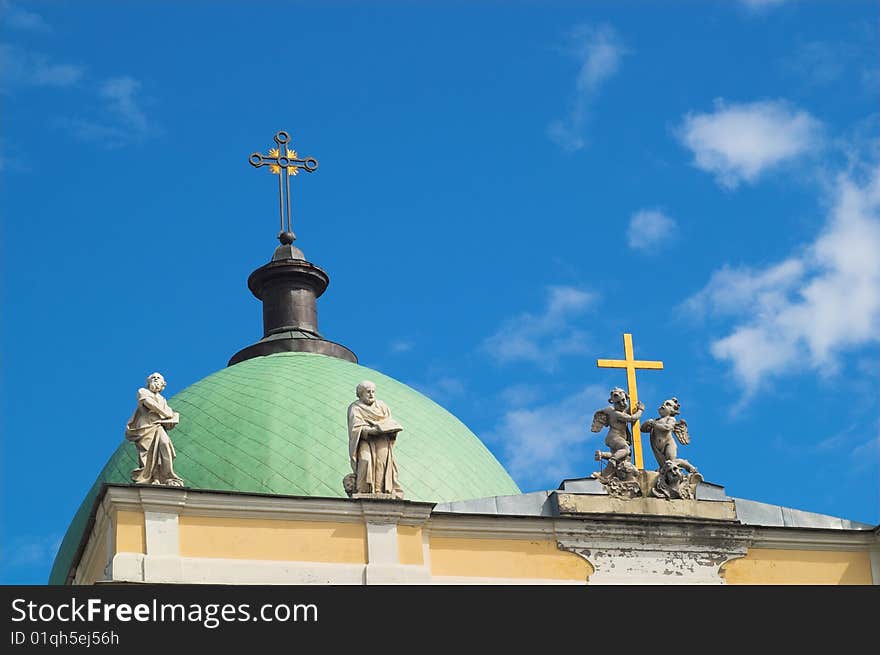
{"x":285,"y":163}
{"x":631,"y":364}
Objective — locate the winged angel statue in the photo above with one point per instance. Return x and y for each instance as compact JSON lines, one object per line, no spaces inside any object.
{"x":670,"y":480}
{"x":620,"y":476}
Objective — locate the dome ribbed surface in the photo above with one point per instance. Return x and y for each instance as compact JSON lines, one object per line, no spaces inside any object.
{"x":277,"y":425}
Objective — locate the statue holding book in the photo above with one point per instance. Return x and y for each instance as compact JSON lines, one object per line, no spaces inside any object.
{"x":148,"y":430}
{"x":372,"y":433}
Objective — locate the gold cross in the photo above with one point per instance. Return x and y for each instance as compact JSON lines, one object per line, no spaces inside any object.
{"x":284,"y":165}
{"x":631,"y":364}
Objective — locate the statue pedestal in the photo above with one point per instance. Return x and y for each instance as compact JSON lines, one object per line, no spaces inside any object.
{"x":376,"y":497}
{"x":569,"y":504}
{"x":647,"y":480}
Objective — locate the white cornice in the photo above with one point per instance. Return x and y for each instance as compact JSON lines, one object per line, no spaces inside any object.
{"x":389,"y":511}
{"x":480,"y":526}
{"x":190,"y":502}
{"x":815,"y":539}
{"x":631,"y":529}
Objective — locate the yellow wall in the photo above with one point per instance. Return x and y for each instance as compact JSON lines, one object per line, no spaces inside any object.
{"x":524,"y":559}
{"x":505,"y":558}
{"x":771,"y":566}
{"x":131,"y":534}
{"x":409,"y":545}
{"x":300,"y":541}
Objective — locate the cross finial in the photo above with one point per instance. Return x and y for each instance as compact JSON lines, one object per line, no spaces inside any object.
{"x":284,"y":164}
{"x":630,"y":363}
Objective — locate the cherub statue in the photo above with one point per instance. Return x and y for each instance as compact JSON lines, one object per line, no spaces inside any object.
{"x":620,"y":471}
{"x":616,"y":418}
{"x":662,"y":429}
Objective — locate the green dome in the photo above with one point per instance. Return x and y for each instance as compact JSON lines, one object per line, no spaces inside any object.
{"x":277,"y":425}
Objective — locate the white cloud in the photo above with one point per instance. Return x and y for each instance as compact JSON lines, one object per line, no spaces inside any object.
{"x":647,"y":227}
{"x":760,"y":5}
{"x":871,"y":79}
{"x":821,"y":62}
{"x":542,"y":443}
{"x":13,"y":163}
{"x":123,"y":120}
{"x":24,"y":68}
{"x":852,"y":444}
{"x":867,"y":451}
{"x":449,"y":386}
{"x":110,"y":136}
{"x":804,"y":312}
{"x":543,"y":339}
{"x":740,"y":142}
{"x":21,"y":19}
{"x":863,"y":452}
{"x":30,"y":550}
{"x":513,"y":395}
{"x":834,"y":443}
{"x":442,"y":389}
{"x":120,"y":93}
{"x":731,"y":289}
{"x":842,"y":62}
{"x":401,"y":346}
{"x":598,"y":49}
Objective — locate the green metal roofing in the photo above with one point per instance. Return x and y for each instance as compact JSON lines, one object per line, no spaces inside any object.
{"x":277,"y":425}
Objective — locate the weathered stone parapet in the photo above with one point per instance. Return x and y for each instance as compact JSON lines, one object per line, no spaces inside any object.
{"x":573,"y":504}
{"x":658,"y":551}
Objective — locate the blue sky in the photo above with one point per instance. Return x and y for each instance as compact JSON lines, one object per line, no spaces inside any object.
{"x":504,"y":189}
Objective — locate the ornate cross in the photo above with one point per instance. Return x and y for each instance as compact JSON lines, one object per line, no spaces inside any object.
{"x":631,"y":364}
{"x":284,"y":165}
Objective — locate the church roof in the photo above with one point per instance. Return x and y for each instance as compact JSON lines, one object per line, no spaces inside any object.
{"x":277,"y":424}
{"x":748,"y":512}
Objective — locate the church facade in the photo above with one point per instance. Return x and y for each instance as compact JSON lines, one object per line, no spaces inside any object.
{"x":272,"y":484}
{"x":139,"y":533}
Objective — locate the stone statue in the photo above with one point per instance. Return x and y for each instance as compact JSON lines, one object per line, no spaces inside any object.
{"x":147,"y":429}
{"x":620,"y":475}
{"x":372,"y":433}
{"x":669,"y":464}
{"x":616,"y":418}
{"x":662,"y":429}
{"x":672,"y":484}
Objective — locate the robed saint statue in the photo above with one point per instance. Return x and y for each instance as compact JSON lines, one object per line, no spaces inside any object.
{"x":147,"y":428}
{"x":372,"y":433}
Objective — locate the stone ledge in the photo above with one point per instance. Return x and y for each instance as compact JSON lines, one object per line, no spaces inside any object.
{"x":573,"y":504}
